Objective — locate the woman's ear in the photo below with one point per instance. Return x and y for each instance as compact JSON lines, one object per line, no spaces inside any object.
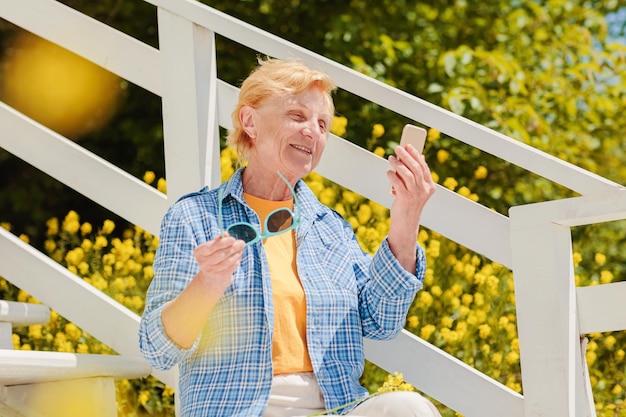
{"x":247,"y":119}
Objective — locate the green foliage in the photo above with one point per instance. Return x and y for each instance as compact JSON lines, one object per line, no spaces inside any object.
{"x":542,"y":72}
{"x":466,"y":308}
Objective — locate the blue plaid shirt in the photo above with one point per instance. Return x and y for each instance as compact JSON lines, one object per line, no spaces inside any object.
{"x":349,"y":295}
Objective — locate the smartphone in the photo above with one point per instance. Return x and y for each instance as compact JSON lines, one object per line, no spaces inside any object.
{"x":415,"y":136}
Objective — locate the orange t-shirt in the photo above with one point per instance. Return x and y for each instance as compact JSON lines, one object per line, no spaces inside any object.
{"x":289,"y":347}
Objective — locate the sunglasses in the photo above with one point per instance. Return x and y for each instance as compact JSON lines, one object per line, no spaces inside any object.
{"x":277,"y":222}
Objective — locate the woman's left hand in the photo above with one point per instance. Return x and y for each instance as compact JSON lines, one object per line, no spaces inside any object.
{"x":412,"y":185}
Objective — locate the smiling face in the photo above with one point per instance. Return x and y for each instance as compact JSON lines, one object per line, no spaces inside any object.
{"x":288,"y":132}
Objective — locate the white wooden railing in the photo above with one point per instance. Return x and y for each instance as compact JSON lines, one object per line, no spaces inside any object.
{"x":534,"y":241}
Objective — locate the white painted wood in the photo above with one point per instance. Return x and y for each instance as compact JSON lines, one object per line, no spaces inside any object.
{"x":111,"y":49}
{"x":23,"y":314}
{"x":603,"y":206}
{"x":552,"y":378}
{"x":363,"y":172}
{"x":401,"y":102}
{"x":444,"y":377}
{"x":601,"y":307}
{"x":87,"y":173}
{"x":73,"y":298}
{"x":185,"y":105}
{"x":450,"y":214}
{"x":210,"y":136}
{"x":19,"y":367}
{"x":6,"y":336}
{"x":196,"y":103}
{"x":93,"y":397}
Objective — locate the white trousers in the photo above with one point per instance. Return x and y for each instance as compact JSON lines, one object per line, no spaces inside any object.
{"x":299,"y":395}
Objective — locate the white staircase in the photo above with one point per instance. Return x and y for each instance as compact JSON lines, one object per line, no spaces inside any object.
{"x":534,"y":241}
{"x":56,"y":384}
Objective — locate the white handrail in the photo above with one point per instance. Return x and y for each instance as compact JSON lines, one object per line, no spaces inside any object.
{"x":196,"y":104}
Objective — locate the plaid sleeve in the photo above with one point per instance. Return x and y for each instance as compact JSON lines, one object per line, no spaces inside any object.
{"x":388,"y":293}
{"x":174,"y":268}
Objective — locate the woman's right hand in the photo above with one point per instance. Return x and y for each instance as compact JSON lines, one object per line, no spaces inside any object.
{"x":185,"y":316}
{"x":218,"y":259}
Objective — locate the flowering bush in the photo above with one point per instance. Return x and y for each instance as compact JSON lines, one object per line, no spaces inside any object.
{"x":467,"y":305}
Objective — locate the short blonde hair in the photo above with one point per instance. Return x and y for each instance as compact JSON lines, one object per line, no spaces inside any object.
{"x":272,"y":77}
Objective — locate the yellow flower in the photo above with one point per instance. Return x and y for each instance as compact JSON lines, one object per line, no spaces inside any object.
{"x":435,"y":177}
{"x":53,"y":226}
{"x":496,"y":359}
{"x":450,"y":336}
{"x":617,"y":389}
{"x":447,"y":321}
{"x":466,"y":299}
{"x":143,"y":397}
{"x":86,"y":245}
{"x":433,"y":135}
{"x":577,"y":258}
{"x":82,"y":348}
{"x":83,"y":268}
{"x":149,"y":177}
{"x":148,"y":272}
{"x":100,"y":242}
{"x":413,"y":322}
{"x":512,"y":357}
{"x":450,"y":183}
{"x":484,"y":330}
{"x":464,"y":192}
{"x":379,"y":151}
{"x":429,"y":277}
{"x":108,"y":226}
{"x":85,"y":228}
{"x":24,"y":238}
{"x":619,"y":355}
{"x":364,"y":214}
{"x":50,"y":245}
{"x":327,"y":196}
{"x":427,"y":331}
{"x":338,"y":127}
{"x":606,"y":277}
{"x":433,"y":249}
{"x":609,"y":342}
{"x":591,"y":357}
{"x":377,"y":131}
{"x":16,"y":341}
{"x":442,"y":156}
{"x":424,"y":299}
{"x":600,"y":258}
{"x":481,"y":173}
{"x":436,"y":291}
{"x":72,"y":332}
{"x":74,"y":256}
{"x":34,"y":331}
{"x":162,"y":185}
{"x":167,"y":391}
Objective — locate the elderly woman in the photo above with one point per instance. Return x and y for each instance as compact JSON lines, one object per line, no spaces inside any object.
{"x":261,"y":294}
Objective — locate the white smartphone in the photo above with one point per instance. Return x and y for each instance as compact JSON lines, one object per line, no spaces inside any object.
{"x":415,"y":136}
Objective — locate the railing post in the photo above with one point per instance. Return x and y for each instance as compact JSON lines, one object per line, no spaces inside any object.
{"x":553,"y":379}
{"x":190,"y":129}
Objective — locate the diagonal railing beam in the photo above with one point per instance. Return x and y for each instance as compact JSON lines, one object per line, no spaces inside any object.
{"x":53,"y":285}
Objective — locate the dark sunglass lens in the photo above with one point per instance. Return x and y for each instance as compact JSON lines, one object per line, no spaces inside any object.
{"x":243,"y":232}
{"x":279,"y":220}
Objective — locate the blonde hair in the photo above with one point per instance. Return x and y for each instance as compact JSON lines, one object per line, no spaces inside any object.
{"x":272,"y":77}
